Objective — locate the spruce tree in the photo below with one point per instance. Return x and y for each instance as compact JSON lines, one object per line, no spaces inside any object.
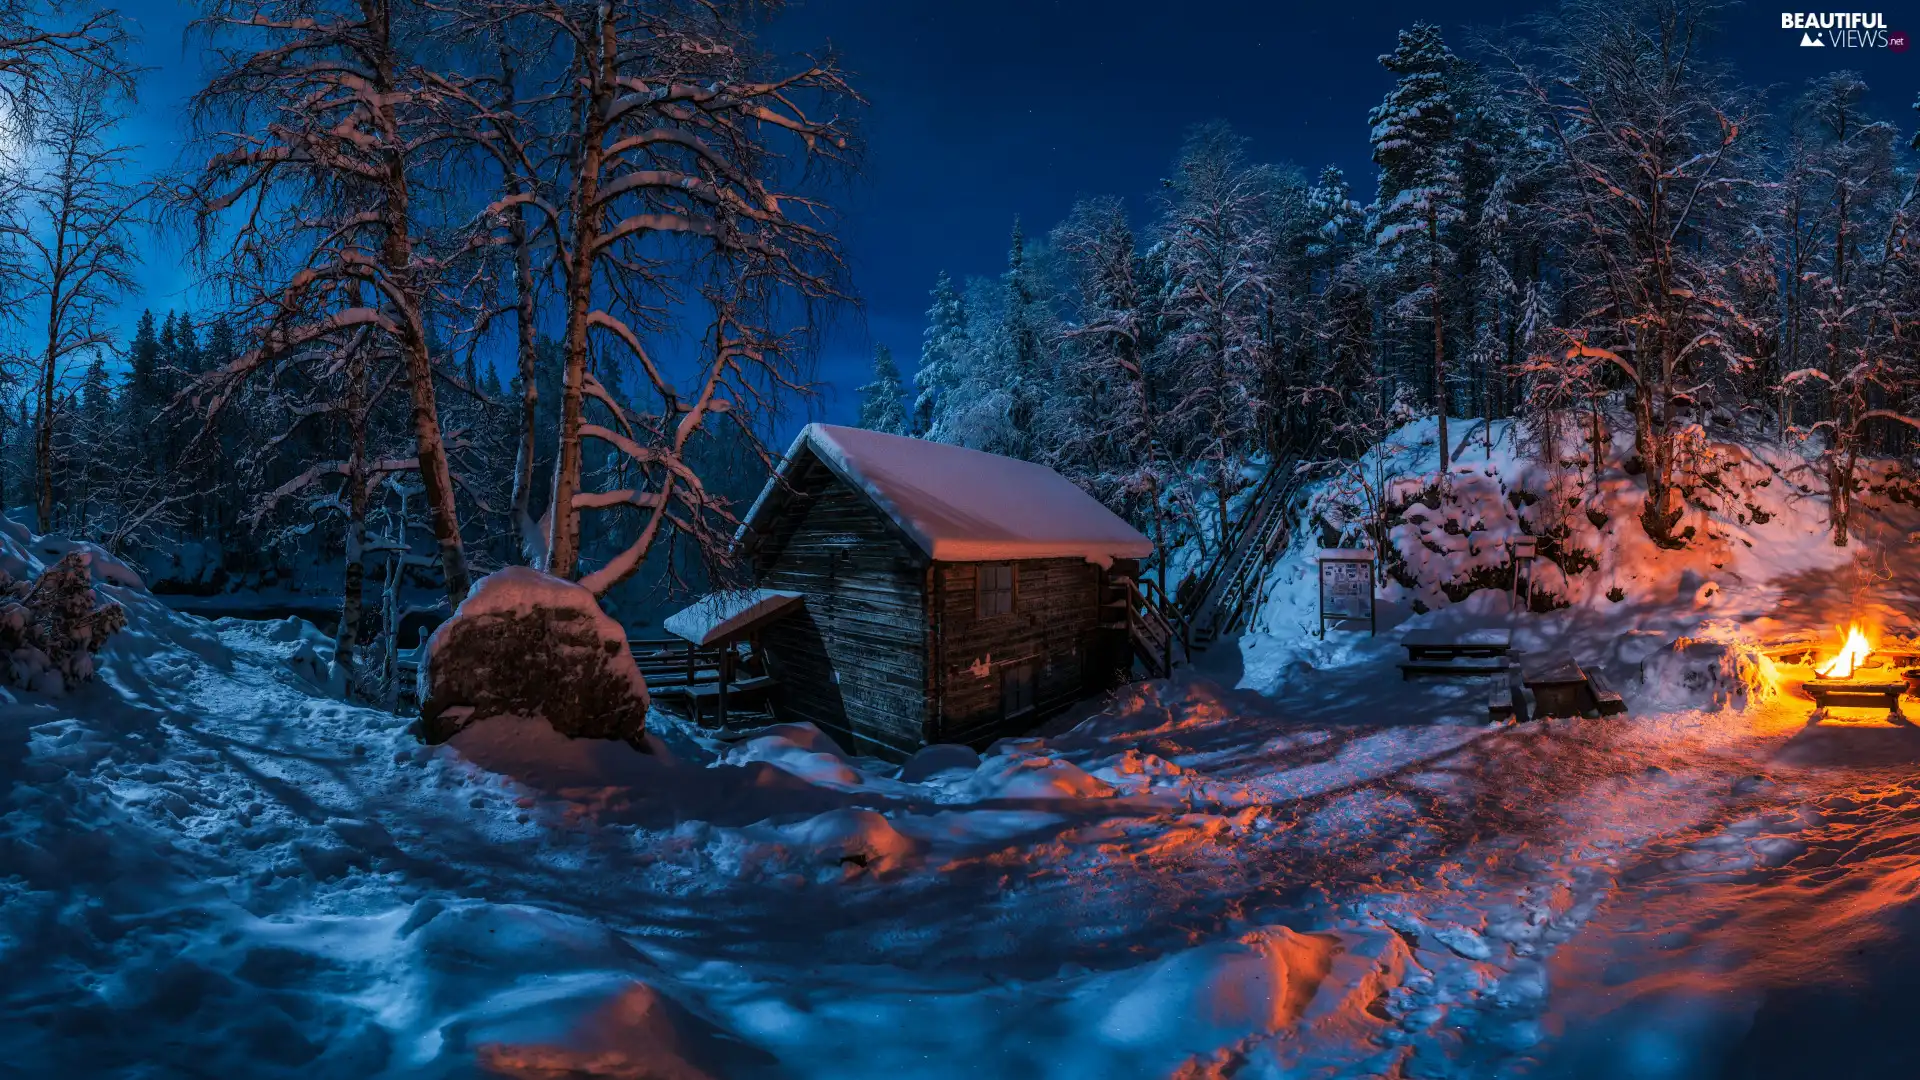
{"x":146,"y":390}
{"x":880,"y":400}
{"x":1415,"y":146}
{"x":941,"y":350}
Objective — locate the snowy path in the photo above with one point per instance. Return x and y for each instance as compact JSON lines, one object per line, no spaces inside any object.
{"x":217,"y":872}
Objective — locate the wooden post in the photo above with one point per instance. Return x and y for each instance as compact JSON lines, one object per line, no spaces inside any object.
{"x":726,"y":672}
{"x":690,"y":649}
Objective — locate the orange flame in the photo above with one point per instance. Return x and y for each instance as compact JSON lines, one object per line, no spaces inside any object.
{"x":1852,"y":655}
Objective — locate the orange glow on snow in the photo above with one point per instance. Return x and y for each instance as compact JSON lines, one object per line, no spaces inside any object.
{"x":1852,"y":655}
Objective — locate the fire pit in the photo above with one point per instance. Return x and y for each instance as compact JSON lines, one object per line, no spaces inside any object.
{"x":1850,"y":680}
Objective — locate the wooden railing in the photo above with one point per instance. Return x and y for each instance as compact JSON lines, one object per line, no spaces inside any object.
{"x":1160,"y":634}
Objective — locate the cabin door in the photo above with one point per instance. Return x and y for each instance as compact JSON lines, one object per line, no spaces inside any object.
{"x":1016,"y":690}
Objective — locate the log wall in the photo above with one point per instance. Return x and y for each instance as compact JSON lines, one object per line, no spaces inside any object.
{"x":854,"y":663}
{"x":1058,"y":627}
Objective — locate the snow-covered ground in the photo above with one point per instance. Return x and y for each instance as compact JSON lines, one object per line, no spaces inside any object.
{"x":1285,"y":863}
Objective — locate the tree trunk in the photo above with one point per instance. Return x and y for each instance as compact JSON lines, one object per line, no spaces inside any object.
{"x":43,"y":445}
{"x":346,"y":638}
{"x":531,"y":543}
{"x":1840,"y":493}
{"x":563,"y":544}
{"x":1439,"y":333}
{"x":430,"y":448}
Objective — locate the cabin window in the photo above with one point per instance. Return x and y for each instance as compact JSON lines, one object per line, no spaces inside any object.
{"x":996,"y":590}
{"x":1016,"y":689}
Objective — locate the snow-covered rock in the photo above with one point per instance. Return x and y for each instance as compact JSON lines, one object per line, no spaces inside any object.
{"x":938,"y":758}
{"x":526,"y":643}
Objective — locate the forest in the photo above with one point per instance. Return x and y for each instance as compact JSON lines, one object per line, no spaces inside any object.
{"x":529,"y":282}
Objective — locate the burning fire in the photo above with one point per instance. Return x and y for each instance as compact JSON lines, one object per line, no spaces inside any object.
{"x":1852,"y":655}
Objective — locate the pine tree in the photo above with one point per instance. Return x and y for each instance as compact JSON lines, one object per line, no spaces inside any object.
{"x":941,"y":350}
{"x":880,"y":407}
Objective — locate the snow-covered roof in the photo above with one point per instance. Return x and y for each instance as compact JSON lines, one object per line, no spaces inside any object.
{"x":961,"y":505}
{"x":723,"y":614}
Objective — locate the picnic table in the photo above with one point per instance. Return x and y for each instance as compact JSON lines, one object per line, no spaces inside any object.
{"x":1482,"y":651}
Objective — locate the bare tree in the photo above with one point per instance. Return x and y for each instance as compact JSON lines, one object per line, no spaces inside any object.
{"x":43,"y":45}
{"x":1848,"y":160}
{"x":73,"y":223}
{"x":669,"y":200}
{"x":1214,"y":242}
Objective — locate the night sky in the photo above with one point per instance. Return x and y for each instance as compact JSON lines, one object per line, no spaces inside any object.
{"x":986,"y":109}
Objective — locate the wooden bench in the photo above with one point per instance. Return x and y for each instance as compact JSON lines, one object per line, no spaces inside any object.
{"x":1507,"y":699}
{"x":1605,"y":698}
{"x":1849,"y":694}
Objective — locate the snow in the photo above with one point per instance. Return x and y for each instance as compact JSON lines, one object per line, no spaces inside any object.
{"x":1286,"y":863}
{"x":719,"y":615}
{"x":962,"y":505}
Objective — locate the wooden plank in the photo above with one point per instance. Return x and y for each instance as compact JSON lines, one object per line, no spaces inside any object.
{"x":1057,"y":627}
{"x":1553,"y":671}
{"x":1521,"y":713}
{"x":1452,"y":668}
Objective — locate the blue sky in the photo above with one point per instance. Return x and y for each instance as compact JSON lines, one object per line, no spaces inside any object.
{"x":986,"y":109}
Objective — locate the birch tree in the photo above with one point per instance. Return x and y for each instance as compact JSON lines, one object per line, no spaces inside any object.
{"x":315,"y":115}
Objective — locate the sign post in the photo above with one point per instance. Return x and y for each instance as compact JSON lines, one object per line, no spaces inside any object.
{"x":1346,"y":587}
{"x":1525,"y":550}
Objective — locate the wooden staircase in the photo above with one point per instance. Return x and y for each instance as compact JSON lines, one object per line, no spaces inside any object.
{"x":1165,"y":634}
{"x":1230,"y":587}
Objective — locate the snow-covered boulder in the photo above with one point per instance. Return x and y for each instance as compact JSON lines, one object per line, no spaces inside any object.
{"x":529,"y":644}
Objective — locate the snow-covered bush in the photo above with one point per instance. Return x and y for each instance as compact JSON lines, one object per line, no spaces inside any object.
{"x":530,"y":644}
{"x":50,"y":627}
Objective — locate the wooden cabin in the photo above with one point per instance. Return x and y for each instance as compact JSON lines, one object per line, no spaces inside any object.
{"x":947,"y":595}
